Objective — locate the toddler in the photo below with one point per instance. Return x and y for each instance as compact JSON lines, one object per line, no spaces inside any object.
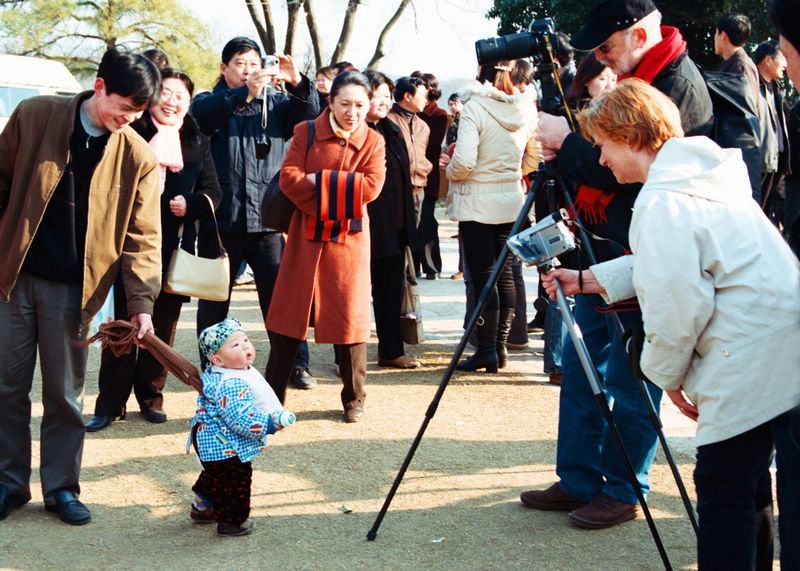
{"x":234,"y":415}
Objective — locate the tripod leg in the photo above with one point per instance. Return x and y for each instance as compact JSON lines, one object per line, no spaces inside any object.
{"x":484,"y":297}
{"x":594,"y":381}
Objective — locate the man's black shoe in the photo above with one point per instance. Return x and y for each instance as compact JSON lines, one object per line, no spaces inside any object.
{"x":302,"y":379}
{"x":9,"y":502}
{"x":69,"y":508}
{"x":99,"y":422}
{"x":153,"y":415}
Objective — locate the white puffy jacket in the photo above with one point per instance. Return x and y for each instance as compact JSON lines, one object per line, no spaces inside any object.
{"x":485,"y":173}
{"x":719,"y":290}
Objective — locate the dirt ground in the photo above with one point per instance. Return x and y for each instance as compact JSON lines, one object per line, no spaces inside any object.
{"x":458,"y":507}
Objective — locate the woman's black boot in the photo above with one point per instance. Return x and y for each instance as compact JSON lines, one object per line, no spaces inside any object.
{"x":503,"y":329}
{"x":486,"y":355}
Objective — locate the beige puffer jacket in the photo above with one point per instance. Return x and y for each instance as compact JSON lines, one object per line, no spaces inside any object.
{"x":485,"y":173}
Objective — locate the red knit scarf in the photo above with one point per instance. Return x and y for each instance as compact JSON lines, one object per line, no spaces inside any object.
{"x":660,"y":55}
{"x":339,"y":206}
{"x":591,"y":203}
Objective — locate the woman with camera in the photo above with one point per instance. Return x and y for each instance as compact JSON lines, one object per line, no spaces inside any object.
{"x":324,"y":276}
{"x":496,"y":126}
{"x":720,"y":296}
{"x":189,"y":186}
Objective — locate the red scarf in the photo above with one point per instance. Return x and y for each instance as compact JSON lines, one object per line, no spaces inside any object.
{"x":339,"y":207}
{"x":660,"y":55}
{"x":591,"y":203}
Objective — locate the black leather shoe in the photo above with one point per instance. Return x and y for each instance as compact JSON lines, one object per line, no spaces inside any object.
{"x":302,"y":379}
{"x":99,"y":422}
{"x":154,"y":416}
{"x":69,"y":508}
{"x":9,"y":502}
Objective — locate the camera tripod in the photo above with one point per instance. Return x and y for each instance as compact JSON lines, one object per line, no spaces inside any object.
{"x":546,"y":179}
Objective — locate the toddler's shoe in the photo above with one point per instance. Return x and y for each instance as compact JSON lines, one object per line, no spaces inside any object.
{"x":202,"y":516}
{"x":202,"y":510}
{"x":234,"y":530}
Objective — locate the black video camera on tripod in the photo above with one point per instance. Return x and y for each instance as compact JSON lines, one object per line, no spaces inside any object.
{"x":536,"y":44}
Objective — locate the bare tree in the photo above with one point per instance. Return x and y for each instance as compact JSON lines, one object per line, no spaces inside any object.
{"x":347,"y":30}
{"x":293,"y":8}
{"x":379,"y":48}
{"x":265,"y":29}
{"x":313,"y":31}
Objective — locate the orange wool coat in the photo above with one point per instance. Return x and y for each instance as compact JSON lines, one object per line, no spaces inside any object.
{"x":332,"y":278}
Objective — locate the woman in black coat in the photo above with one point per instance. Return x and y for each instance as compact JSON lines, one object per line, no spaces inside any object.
{"x":189,"y":180}
{"x":392,"y":228}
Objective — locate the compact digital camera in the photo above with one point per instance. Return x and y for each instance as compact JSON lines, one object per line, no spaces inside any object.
{"x":543,"y":241}
{"x":272,"y":65}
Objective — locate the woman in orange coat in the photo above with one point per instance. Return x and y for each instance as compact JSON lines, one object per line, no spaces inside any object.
{"x":324,"y":276}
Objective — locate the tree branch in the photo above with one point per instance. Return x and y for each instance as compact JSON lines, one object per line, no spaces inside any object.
{"x":347,"y":30}
{"x":380,"y":47}
{"x":293,"y":8}
{"x":262,"y":32}
{"x":313,"y":31}
{"x":269,"y":24}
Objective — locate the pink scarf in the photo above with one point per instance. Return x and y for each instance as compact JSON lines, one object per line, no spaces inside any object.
{"x":167,"y":145}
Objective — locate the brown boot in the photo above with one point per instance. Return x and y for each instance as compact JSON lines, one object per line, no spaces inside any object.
{"x":604,"y":511}
{"x":551,"y":499}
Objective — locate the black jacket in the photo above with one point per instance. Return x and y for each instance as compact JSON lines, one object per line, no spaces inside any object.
{"x":386,"y":239}
{"x":197,"y":178}
{"x":234,"y":127}
{"x":579,"y":160}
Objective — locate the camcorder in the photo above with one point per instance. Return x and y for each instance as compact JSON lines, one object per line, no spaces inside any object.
{"x":536,"y":44}
{"x":545,"y":240}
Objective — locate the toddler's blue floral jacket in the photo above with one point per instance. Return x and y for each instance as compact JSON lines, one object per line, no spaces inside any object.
{"x":227,"y":421}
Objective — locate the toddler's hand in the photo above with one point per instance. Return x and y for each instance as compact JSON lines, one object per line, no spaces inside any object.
{"x":283,"y":418}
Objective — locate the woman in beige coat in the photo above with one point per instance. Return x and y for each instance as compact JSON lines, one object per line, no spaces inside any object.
{"x":324,"y":275}
{"x":486,"y":195}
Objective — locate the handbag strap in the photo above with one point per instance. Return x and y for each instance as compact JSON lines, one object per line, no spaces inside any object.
{"x":222,"y":251}
{"x":409,"y":266}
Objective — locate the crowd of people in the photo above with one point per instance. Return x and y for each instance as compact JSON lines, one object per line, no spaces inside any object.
{"x":691,"y":247}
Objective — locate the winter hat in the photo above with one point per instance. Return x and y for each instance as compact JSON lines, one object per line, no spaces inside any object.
{"x":212,"y":338}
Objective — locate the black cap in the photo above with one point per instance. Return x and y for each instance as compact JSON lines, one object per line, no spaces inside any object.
{"x":607,"y":17}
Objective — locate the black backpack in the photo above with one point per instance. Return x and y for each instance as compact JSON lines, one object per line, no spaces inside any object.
{"x":736,"y":122}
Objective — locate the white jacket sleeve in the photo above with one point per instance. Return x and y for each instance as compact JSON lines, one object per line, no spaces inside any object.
{"x":616,"y":278}
{"x":675,"y":291}
{"x":465,"y":156}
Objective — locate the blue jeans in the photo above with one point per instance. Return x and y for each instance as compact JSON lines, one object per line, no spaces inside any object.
{"x":554,"y":332}
{"x":587,"y":459}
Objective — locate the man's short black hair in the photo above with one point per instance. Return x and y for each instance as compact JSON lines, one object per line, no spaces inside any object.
{"x":784,"y":15}
{"x":768,"y":48}
{"x":130,"y":75}
{"x":737,"y":26}
{"x":407,"y":84}
{"x":239,"y":45}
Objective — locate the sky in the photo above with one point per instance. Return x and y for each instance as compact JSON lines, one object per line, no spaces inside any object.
{"x":435,"y":36}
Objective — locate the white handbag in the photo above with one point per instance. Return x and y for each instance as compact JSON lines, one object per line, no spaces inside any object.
{"x":203,"y":278}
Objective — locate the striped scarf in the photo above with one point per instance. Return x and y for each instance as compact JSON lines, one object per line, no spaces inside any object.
{"x":338,"y":206}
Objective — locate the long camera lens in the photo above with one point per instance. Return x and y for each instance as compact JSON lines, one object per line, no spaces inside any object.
{"x":511,"y":46}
